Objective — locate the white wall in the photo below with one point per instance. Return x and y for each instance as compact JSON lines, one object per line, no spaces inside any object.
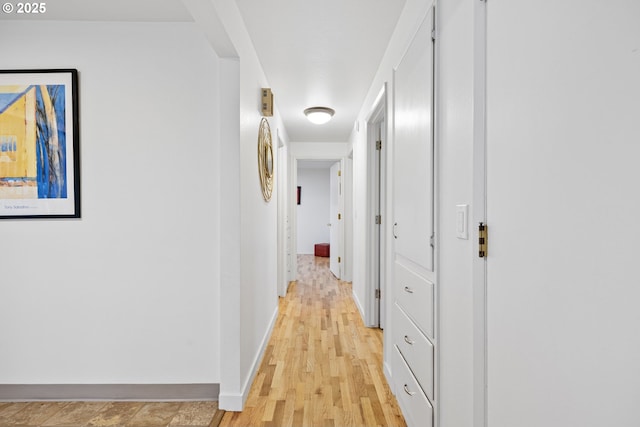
{"x":318,"y":150}
{"x":252,"y":288}
{"x":129,"y":293}
{"x":454,"y":93}
{"x":313,"y":212}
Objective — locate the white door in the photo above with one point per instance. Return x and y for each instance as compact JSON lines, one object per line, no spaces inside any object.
{"x":413,"y":178}
{"x":414,"y":324}
{"x":563,"y":347}
{"x":335,"y":220}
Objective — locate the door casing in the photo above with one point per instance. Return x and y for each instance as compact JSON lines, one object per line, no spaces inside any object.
{"x":375,"y":311}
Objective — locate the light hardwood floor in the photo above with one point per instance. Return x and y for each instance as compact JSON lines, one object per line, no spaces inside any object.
{"x":322,"y":367}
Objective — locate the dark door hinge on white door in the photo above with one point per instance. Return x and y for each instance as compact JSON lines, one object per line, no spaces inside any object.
{"x":378,"y":219}
{"x":378,"y":293}
{"x":482,"y":240}
{"x":378,"y":145}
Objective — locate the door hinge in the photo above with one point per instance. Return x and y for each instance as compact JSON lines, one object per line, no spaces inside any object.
{"x":377,"y":293}
{"x":339,"y":216}
{"x":378,"y":219}
{"x":433,"y":35}
{"x":432,"y":240}
{"x":339,"y":173}
{"x":339,"y":260}
{"x":378,"y":145}
{"x":482,"y":240}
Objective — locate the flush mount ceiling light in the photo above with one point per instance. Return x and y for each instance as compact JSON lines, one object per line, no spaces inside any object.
{"x":319,"y":115}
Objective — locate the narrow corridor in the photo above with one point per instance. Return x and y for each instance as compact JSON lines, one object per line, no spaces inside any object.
{"x":322,"y":366}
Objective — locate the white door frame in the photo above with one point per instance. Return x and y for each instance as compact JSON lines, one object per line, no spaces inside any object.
{"x":376,"y":242}
{"x":479,"y":209}
{"x":336,"y":219}
{"x":293,"y":212}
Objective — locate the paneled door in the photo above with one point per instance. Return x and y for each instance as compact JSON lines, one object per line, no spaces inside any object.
{"x":413,"y":314}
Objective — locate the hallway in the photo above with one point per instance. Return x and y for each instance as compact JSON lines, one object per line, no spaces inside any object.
{"x":322,"y":367}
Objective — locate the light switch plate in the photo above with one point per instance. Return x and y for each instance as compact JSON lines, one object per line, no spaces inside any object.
{"x":462,"y":222}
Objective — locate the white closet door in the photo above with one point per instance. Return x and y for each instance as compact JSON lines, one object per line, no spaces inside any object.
{"x":413,"y":139}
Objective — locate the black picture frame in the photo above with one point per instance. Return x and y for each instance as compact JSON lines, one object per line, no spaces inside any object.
{"x":39,"y":144}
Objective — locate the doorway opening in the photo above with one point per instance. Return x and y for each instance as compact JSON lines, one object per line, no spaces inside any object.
{"x":319,"y":211}
{"x":319,"y":205}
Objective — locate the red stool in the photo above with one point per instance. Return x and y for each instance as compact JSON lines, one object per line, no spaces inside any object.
{"x":322,"y":249}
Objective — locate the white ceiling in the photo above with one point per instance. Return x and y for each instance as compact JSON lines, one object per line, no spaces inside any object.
{"x":313,"y":53}
{"x":320,"y":53}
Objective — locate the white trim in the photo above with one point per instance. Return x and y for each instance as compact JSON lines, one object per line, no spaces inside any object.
{"x":337,"y":260}
{"x":479,"y":211}
{"x":436,"y":215}
{"x":358,"y":303}
{"x":377,"y":114}
{"x":235,"y":401}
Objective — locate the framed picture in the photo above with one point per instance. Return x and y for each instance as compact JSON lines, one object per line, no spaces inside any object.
{"x":39,"y":148}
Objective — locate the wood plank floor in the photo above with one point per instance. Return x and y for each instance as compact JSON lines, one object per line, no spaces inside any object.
{"x":322,"y":367}
{"x":122,"y":414}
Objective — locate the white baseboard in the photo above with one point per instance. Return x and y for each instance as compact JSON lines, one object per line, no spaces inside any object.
{"x":235,"y":401}
{"x":360,"y":308}
{"x":111,"y":392}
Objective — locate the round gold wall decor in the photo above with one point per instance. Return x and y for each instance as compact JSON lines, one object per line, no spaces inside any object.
{"x":265,"y":159}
